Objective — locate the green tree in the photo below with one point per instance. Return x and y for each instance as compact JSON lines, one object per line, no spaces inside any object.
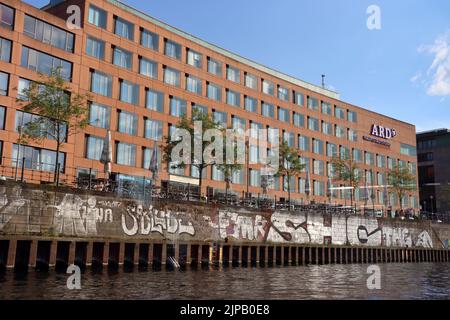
{"x":401,"y":181}
{"x":289,"y":165}
{"x":61,"y":113}
{"x":346,"y":170}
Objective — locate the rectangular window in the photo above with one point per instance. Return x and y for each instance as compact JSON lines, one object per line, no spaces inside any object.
{"x":357,"y":155}
{"x":238,"y":123}
{"x":306,"y":162}
{"x":267,"y":110}
{"x":381,"y":161}
{"x":97,"y":17}
{"x":332,"y":150}
{"x":194,"y":58}
{"x":193,"y":84}
{"x":391,"y":163}
{"x":268,"y":87}
{"x":344,"y":152}
{"x":318,"y":168}
{"x":2,"y":118}
{"x":128,"y":123}
{"x":199,"y":109}
{"x":148,"y":68}
{"x":251,"y":104}
{"x":408,"y":150}
{"x":154,"y":100}
{"x":254,"y":129}
{"x":94,"y":147}
{"x":177,"y":107}
{"x":24,"y":84}
{"x":318,"y":146}
{"x":153,"y":129}
{"x":233,"y":74}
{"x":48,"y":33}
{"x":251,"y":81}
{"x":299,"y":99}
{"x":44,"y":63}
{"x":95,"y":48}
{"x":149,"y":39}
{"x":172,"y":77}
{"x":238,"y":177}
{"x":37,"y":158}
{"x":101,"y":83}
{"x":352,"y":116}
{"x":217,"y":174}
{"x":214,"y":92}
{"x":147,"y":154}
{"x":327,"y":128}
{"x":220,"y":118}
{"x":289,"y":186}
{"x":124,"y":28}
{"x":255,"y":178}
{"x":283,"y":93}
{"x":284,"y":115}
{"x":313,"y":124}
{"x":4,"y":83}
{"x":303,"y":143}
{"x":172,"y":49}
{"x":289,"y":138}
{"x":327,"y":108}
{"x":129,"y":92}
{"x":5,"y":50}
{"x":313,"y":104}
{"x":122,"y":58}
{"x":352,"y":135}
{"x":125,"y":154}
{"x":339,"y":131}
{"x":233,"y":98}
{"x":299,"y":120}
{"x":214,"y":67}
{"x":6,"y":17}
{"x":319,"y":188}
{"x":369,"y":159}
{"x":339,"y":112}
{"x":99,"y":115}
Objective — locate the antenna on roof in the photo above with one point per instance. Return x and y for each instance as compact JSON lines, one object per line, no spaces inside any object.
{"x":323,"y":81}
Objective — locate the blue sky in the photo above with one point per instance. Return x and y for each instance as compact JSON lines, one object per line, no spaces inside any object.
{"x":402,"y":70}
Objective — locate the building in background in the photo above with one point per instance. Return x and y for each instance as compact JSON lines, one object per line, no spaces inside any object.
{"x":433,"y":149}
{"x":143,"y":75}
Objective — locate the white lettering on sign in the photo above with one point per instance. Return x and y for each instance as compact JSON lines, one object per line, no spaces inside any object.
{"x":382,"y":132}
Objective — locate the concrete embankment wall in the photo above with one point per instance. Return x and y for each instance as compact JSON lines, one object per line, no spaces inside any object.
{"x":42,"y":225}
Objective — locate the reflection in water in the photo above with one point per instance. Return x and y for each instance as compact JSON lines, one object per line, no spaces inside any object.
{"x":399,"y":281}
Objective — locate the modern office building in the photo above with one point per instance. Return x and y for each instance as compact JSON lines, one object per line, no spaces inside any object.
{"x":433,"y":149}
{"x":143,"y":74}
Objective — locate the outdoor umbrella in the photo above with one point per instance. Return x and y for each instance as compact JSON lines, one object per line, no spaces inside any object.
{"x":153,"y":167}
{"x":106,"y":157}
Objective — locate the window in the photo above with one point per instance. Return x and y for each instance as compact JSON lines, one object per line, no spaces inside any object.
{"x":194,"y":58}
{"x":149,"y":39}
{"x":327,"y":109}
{"x":268,"y":87}
{"x":155,"y":100}
{"x":318,"y":168}
{"x":357,"y":155}
{"x":95,"y":48}
{"x":94,"y":147}
{"x":199,"y":109}
{"x":303,"y":143}
{"x":37,"y":158}
{"x":214,"y":92}
{"x":2,"y":118}
{"x":319,"y":188}
{"x":254,"y":129}
{"x":147,"y":154}
{"x":299,"y":120}
{"x":129,"y":92}
{"x":23,"y":85}
{"x":99,"y":115}
{"x":4,"y":83}
{"x":283,"y":93}
{"x":101,"y":83}
{"x":124,"y":28}
{"x":332,"y":150}
{"x":5,"y":50}
{"x":327,"y":128}
{"x":217,"y":174}
{"x":352,"y":116}
{"x":97,"y":17}
{"x":283,"y":115}
{"x":214,"y":67}
{"x":233,"y":98}
{"x":339,"y":112}
{"x":339,"y":131}
{"x":238,"y":177}
{"x":148,"y":68}
{"x":172,"y":49}
{"x":255,"y":178}
{"x":267,"y":110}
{"x":344,"y":152}
{"x":193,"y":84}
{"x":408,"y":150}
{"x":171,"y":76}
{"x":233,"y":74}
{"x":318,"y":146}
{"x":289,"y":138}
{"x":251,"y":104}
{"x":153,"y":129}
{"x":44,"y":63}
{"x":251,"y":81}
{"x":177,"y":107}
{"x":6,"y":17}
{"x":288,"y":186}
{"x":47,"y":33}
{"x":392,"y":162}
{"x":128,"y":123}
{"x":125,"y":154}
{"x":220,"y":118}
{"x":122,"y":58}
{"x":299,"y":99}
{"x":381,"y":161}
{"x":313,"y":104}
{"x":352,"y":135}
{"x":238,"y":123}
{"x":370,"y":160}
{"x":313,"y":124}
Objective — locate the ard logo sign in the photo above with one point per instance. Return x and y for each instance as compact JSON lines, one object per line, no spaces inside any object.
{"x":382,"y":132}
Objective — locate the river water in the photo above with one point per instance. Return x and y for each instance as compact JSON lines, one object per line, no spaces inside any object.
{"x":398,"y":281}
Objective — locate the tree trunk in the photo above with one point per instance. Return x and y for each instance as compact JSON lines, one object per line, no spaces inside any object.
{"x":289,"y":193}
{"x":58,"y":147}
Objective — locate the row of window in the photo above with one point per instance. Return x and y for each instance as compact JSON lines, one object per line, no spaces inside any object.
{"x":123,"y":58}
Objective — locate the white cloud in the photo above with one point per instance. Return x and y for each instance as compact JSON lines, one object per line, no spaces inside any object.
{"x":439,"y":71}
{"x":416,"y":77}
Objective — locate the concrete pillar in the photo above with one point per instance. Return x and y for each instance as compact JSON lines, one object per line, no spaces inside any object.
{"x":282,"y":255}
{"x":373,"y":258}
{"x":150,"y":254}
{"x":249,"y":256}
{"x":89,"y":250}
{"x":33,"y":254}
{"x":274,"y":255}
{"x":240,"y":256}
{"x":329,"y":255}
{"x":266,"y":255}
{"x":258,"y":249}
{"x":72,"y":253}
{"x":53,"y":250}
{"x":136,"y":254}
{"x":106,"y":254}
{"x":290,"y":256}
{"x":199,"y":254}
{"x":122,"y":253}
{"x":230,"y":255}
